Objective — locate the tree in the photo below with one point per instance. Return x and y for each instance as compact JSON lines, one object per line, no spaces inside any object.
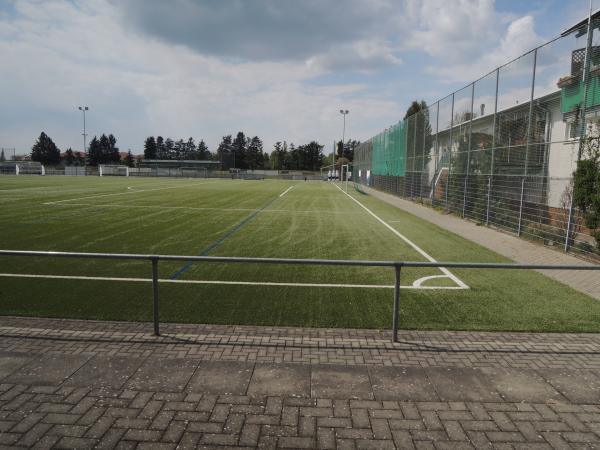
{"x":586,"y":194}
{"x":190,"y":149}
{"x":312,"y":156}
{"x":202,"y":151}
{"x":94,"y":152}
{"x":45,"y":150}
{"x":69,"y":157}
{"x":277,"y":156}
{"x":129,"y":160}
{"x":79,"y":159}
{"x":160,"y":147}
{"x":238,"y":147}
{"x":169,"y":149}
{"x":2,"y":157}
{"x":254,"y":154}
{"x":150,"y":148}
{"x":113,"y":150}
{"x":224,"y":152}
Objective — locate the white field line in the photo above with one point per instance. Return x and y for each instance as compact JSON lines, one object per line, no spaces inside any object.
{"x":286,"y":191}
{"x":419,"y":250}
{"x":124,"y":193}
{"x":237,"y":283}
{"x":200,"y":208}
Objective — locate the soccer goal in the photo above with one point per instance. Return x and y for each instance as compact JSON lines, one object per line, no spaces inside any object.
{"x":113,"y":170}
{"x":29,"y":168}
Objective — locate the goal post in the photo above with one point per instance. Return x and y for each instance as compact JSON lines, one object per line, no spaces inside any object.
{"x":113,"y":170}
{"x":29,"y":168}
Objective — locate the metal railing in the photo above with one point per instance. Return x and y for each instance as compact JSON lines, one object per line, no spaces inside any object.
{"x":396,"y":265}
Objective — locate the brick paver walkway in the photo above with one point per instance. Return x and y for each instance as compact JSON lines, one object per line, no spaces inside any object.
{"x":85,"y":384}
{"x":517,"y":249}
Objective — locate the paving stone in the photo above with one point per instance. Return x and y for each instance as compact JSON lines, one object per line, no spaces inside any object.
{"x":164,"y":375}
{"x":105,"y":372}
{"x":521,"y":385}
{"x":402,"y":383}
{"x":10,"y":362}
{"x":578,"y":386}
{"x":495,"y":405}
{"x":341,"y":382}
{"x":280,"y":379}
{"x":221,"y":377}
{"x":47,"y":370}
{"x":462,"y":384}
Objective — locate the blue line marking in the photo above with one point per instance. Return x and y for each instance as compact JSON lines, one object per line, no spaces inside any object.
{"x":221,"y":239}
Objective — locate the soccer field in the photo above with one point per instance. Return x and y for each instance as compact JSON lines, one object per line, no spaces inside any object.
{"x":256,"y":218}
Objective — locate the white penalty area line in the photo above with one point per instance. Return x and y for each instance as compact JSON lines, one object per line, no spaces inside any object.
{"x":286,"y":191}
{"x":132,"y":191}
{"x":418,"y":249}
{"x":235,"y":283}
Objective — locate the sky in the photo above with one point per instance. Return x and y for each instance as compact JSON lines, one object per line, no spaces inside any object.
{"x":278,"y":69}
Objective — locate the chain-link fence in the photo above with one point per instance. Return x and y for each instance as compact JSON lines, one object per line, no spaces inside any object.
{"x":502,"y":150}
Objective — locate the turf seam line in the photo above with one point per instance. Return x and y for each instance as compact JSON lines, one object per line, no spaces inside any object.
{"x":221,"y":239}
{"x":422,"y":252}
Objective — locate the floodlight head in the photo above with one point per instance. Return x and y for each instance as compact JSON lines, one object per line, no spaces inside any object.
{"x":86,"y":108}
{"x":79,"y":107}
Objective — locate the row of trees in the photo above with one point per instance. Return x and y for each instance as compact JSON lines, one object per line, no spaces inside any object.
{"x":244,"y":152}
{"x":101,"y":150}
{"x":303,"y":157}
{"x":239,"y":152}
{"x":160,"y":148}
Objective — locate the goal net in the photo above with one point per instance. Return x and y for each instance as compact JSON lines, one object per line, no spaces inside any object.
{"x":29,"y":168}
{"x":119,"y":171}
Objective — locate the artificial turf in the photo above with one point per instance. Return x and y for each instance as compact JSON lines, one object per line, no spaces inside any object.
{"x":251,"y":218}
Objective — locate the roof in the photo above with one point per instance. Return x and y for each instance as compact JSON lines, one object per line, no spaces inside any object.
{"x":581,"y":24}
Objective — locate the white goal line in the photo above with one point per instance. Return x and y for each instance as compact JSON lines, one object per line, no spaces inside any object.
{"x":415,"y":285}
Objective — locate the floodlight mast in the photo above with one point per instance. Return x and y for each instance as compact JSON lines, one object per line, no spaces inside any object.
{"x":343,"y":112}
{"x":83,"y":109}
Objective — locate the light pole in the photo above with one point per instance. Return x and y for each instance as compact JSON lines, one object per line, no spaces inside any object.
{"x":343,"y":112}
{"x":83,"y":109}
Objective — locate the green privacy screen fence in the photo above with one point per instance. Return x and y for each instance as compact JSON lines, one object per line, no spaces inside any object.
{"x":389,"y":151}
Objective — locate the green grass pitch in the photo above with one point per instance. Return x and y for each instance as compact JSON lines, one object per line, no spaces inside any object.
{"x":262,"y":219}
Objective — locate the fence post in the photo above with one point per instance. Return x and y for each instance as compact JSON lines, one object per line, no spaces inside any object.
{"x":396,"y":312}
{"x":487,"y":209}
{"x":465,"y":196}
{"x":447,"y":187}
{"x":521,"y":206}
{"x":155,"y":295}
{"x":569,"y":222}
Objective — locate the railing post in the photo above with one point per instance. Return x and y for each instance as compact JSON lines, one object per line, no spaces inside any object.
{"x":487,"y":209}
{"x":155,"y":296}
{"x":521,"y":206}
{"x":396,"y":312}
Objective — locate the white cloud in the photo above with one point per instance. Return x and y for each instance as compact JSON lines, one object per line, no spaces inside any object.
{"x":468,"y":38}
{"x":64,"y":54}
